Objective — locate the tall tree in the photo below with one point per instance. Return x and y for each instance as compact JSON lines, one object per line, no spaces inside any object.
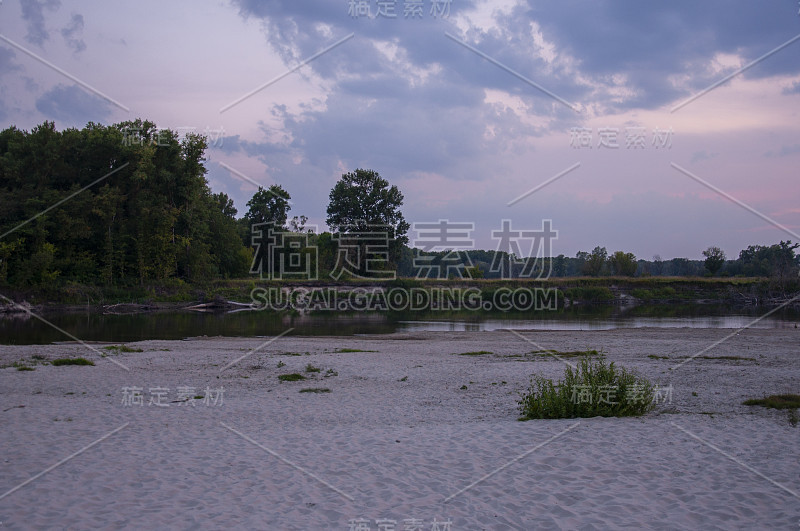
{"x":363,"y":201}
{"x":595,"y":261}
{"x":623,"y":264}
{"x":715,"y":259}
{"x":270,"y":205}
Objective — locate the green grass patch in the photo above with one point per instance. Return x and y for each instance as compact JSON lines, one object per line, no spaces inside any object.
{"x":311,"y":368}
{"x":123,"y":348}
{"x":592,"y":389}
{"x":788,"y":401}
{"x":72,"y":361}
{"x":315,"y":390}
{"x":292,"y":377}
{"x":346,"y":350}
{"x":25,"y":368}
{"x":475,"y":353}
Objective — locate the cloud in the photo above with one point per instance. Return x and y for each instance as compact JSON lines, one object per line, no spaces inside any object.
{"x":72,"y":105}
{"x":699,"y":156}
{"x":73,"y":32}
{"x":33,"y":13}
{"x":794,"y":89}
{"x":785,"y":151}
{"x":7,"y":64}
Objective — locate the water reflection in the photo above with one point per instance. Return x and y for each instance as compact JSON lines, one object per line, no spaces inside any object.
{"x":20,"y":329}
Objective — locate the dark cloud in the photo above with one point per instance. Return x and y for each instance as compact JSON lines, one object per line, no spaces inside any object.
{"x":405,"y":98}
{"x":72,"y":105}
{"x":7,"y":64}
{"x":785,"y":151}
{"x":73,"y":33}
{"x":33,"y":14}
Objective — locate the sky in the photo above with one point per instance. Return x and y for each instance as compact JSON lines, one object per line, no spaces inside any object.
{"x":651,"y":128}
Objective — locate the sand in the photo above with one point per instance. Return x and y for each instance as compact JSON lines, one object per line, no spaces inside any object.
{"x":397,"y":439}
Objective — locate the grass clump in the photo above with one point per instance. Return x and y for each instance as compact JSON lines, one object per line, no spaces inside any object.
{"x":25,"y":368}
{"x":315,"y":390}
{"x":348,"y":350}
{"x":293,"y":377}
{"x":787,"y":401}
{"x":311,"y":368}
{"x":592,"y":389}
{"x":123,"y":348}
{"x":72,"y":361}
{"x":475,"y":353}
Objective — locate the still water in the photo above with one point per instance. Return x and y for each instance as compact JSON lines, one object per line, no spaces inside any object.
{"x":23,"y":329}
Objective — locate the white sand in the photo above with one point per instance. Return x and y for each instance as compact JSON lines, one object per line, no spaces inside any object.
{"x":377,"y":447}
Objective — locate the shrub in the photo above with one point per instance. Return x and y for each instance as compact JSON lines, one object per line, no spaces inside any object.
{"x":589,"y":294}
{"x":590,"y":390}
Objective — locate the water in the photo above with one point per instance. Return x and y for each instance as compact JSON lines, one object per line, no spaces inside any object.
{"x":22,"y":329}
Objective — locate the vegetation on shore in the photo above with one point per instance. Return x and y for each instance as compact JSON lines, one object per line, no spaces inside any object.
{"x":592,"y":389}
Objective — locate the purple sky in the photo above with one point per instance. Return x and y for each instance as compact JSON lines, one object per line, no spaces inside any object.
{"x":459,"y":123}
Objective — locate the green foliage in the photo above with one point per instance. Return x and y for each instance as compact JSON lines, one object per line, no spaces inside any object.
{"x":475,"y":353}
{"x":72,"y":361}
{"x":666,"y":292}
{"x":311,"y":368}
{"x":623,"y":264}
{"x":715,"y":259}
{"x":315,"y":390}
{"x":152,"y":219}
{"x":589,"y":294}
{"x":594,"y":262}
{"x":123,"y":348}
{"x":592,"y":389}
{"x":786,"y":401}
{"x":269,"y":206}
{"x":362,"y":201}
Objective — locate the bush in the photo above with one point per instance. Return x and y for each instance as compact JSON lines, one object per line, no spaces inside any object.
{"x":592,"y":389}
{"x":589,"y":294}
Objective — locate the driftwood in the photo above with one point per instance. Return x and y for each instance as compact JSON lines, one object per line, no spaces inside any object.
{"x":18,"y":307}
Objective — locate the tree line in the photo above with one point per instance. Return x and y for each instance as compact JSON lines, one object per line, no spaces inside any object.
{"x":99,"y":205}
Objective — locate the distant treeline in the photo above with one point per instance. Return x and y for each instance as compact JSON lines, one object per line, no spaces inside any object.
{"x":128,"y":204}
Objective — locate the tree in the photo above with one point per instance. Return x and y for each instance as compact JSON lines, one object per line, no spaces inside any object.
{"x":715,"y":259}
{"x":658,"y":265}
{"x":777,"y":261}
{"x":623,"y":264}
{"x":362,"y":201}
{"x":595,"y":261}
{"x":270,"y":205}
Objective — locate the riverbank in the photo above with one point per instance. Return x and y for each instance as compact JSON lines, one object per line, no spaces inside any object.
{"x":408,"y":422}
{"x":233,"y":294}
